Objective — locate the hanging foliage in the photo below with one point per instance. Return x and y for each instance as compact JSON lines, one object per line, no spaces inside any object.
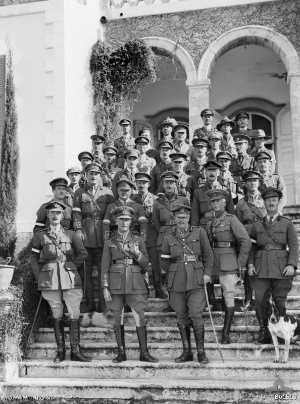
{"x":117,"y":78}
{"x":9,"y":168}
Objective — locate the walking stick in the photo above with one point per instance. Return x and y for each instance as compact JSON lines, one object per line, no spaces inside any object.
{"x":34,"y":321}
{"x":212,"y":324}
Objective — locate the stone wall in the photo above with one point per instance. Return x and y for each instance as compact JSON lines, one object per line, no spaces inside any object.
{"x":195,"y":30}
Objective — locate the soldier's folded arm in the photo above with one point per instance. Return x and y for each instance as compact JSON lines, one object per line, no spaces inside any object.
{"x":293,"y":245}
{"x":35,"y":255}
{"x":243,"y":239}
{"x":80,"y":252}
{"x":207,"y":252}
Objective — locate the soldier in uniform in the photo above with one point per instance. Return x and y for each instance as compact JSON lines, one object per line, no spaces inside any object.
{"x":56,"y":255}
{"x":60,"y":193}
{"x":201,"y":210}
{"x":181,"y":138}
{"x":259,"y":138}
{"x":215,"y":139}
{"x":273,"y":261}
{"x":166,"y":129}
{"x":195,"y":168}
{"x":243,"y":162}
{"x":187,"y":259}
{"x":224,"y":158}
{"x":125,"y":142}
{"x":264,"y":165}
{"x":164,"y":164}
{"x":242,"y":124}
{"x":124,"y":277}
{"x":145,"y":163}
{"x":89,"y":208}
{"x":179,"y":162}
{"x":109,"y":166}
{"x":146,"y":199}
{"x":207,"y":116}
{"x":131,"y":162}
{"x":162,"y":216}
{"x":225,"y":126}
{"x":73,"y":174}
{"x":97,"y":148}
{"x":85,"y":158}
{"x":125,"y":189}
{"x":249,"y":210}
{"x":231,"y":246}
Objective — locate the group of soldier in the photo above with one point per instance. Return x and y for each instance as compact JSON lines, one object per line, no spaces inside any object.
{"x":180,"y":217}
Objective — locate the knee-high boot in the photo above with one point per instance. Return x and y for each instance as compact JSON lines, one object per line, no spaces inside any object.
{"x":60,"y":340}
{"x":76,"y":355}
{"x":185,"y":334}
{"x":120,"y":337}
{"x":229,"y":314}
{"x":144,"y":353}
{"x":199,"y":338}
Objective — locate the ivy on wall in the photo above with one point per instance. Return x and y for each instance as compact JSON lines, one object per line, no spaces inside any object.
{"x":117,"y":79}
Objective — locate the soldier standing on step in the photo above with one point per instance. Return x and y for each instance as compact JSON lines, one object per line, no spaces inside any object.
{"x":231,"y":246}
{"x":187,"y":258}
{"x":56,"y":255}
{"x":124,"y":280}
{"x":273,"y":260}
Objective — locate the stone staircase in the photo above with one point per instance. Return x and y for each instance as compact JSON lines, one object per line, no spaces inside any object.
{"x":247,"y":375}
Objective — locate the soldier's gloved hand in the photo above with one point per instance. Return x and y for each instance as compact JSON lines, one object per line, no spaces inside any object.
{"x":81,"y":234}
{"x":251,"y":270}
{"x":289,"y":270}
{"x":206,"y":279}
{"x":106,"y":295}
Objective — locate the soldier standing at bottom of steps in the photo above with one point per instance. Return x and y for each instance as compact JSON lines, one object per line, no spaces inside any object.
{"x":273,"y":260}
{"x":125,"y":280}
{"x":231,"y":245}
{"x":56,"y":255}
{"x":187,"y":258}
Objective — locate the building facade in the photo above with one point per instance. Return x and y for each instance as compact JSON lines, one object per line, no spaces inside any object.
{"x":230,"y":55}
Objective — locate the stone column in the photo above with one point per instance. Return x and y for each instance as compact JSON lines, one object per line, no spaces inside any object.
{"x":199,"y":95}
{"x":294,"y":85}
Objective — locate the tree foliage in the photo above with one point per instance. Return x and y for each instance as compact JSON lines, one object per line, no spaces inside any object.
{"x":9,"y":168}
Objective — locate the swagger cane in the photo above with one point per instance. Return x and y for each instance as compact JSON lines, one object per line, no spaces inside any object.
{"x":34,"y":321}
{"x":212,"y":324}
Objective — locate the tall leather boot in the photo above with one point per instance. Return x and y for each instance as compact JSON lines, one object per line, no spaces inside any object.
{"x":76,"y":355}
{"x":144,"y":353}
{"x":199,"y":338}
{"x":120,"y":337}
{"x":263,"y":334}
{"x":229,"y":314}
{"x":185,"y":334}
{"x":60,"y":340}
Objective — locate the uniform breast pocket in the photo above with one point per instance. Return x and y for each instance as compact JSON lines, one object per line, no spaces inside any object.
{"x":115,"y":278}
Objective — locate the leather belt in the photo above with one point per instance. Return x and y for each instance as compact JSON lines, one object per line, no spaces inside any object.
{"x":223,"y":244}
{"x":125,"y":261}
{"x":187,"y":258}
{"x":270,"y":247}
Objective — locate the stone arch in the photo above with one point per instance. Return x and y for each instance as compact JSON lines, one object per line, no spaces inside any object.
{"x":254,"y":34}
{"x":178,"y":51}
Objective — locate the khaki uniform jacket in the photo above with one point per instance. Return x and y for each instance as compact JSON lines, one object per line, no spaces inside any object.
{"x":88,"y":214}
{"x":201,"y":211}
{"x":54,"y":259}
{"x":122,"y":145}
{"x":249,"y":213}
{"x":185,"y":266}
{"x":240,"y":165}
{"x":147,"y":202}
{"x":228,"y":229}
{"x":276,"y":247}
{"x":124,"y":277}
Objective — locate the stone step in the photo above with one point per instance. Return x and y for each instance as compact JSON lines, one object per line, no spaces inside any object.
{"x":166,"y":319}
{"x":247,"y":370}
{"x":154,"y":390}
{"x":161,"y":305}
{"x":155,"y":334}
{"x":169,"y":350}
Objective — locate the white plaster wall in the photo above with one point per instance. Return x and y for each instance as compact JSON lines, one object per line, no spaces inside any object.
{"x":24,"y":34}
